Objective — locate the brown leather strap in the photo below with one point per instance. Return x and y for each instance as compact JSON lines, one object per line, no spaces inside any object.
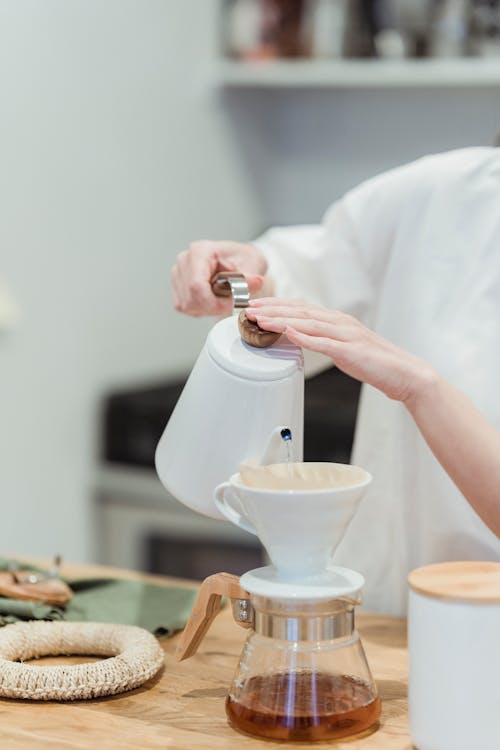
{"x":50,"y":591}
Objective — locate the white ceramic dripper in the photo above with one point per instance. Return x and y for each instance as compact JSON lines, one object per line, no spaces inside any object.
{"x":299,"y":528}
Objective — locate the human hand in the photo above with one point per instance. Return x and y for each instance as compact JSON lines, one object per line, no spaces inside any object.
{"x":194,"y":268}
{"x":355,"y":349}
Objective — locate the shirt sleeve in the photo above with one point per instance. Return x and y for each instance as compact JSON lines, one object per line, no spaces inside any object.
{"x":320,"y":264}
{"x":341,"y":263}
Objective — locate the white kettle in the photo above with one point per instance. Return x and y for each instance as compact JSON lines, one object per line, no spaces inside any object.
{"x":234,"y":406}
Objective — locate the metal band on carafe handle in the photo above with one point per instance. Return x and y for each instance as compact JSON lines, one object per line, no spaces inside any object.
{"x":231,"y":284}
{"x":288,"y":621}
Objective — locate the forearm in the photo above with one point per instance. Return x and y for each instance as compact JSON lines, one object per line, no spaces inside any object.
{"x":463,"y":441}
{"x":465,"y":444}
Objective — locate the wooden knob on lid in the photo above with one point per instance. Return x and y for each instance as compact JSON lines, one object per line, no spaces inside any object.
{"x":254,"y":334}
{"x":233,"y":284}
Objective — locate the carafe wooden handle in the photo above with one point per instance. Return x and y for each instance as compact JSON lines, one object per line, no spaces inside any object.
{"x":206,"y":608}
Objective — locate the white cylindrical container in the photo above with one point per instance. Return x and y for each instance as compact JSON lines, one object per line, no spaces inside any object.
{"x":454,"y":656}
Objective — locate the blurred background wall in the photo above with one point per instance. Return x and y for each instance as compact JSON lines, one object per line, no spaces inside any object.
{"x":117,"y":148}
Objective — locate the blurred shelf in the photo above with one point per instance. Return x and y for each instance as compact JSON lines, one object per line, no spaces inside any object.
{"x":300,"y":74}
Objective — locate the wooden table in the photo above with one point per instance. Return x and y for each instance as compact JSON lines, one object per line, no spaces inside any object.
{"x":183,"y":708}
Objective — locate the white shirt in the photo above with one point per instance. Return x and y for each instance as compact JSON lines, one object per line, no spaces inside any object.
{"x":415,"y":255}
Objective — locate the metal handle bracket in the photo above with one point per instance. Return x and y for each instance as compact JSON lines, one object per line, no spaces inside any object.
{"x":231,"y":284}
{"x":206,"y":608}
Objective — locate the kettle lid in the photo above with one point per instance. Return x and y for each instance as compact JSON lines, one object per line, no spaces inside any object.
{"x":226,"y":347}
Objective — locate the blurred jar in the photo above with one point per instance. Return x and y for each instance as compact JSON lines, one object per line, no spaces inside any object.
{"x":328,"y":23}
{"x":266,"y":29}
{"x":450,"y":28}
{"x":242,"y":28}
{"x":283,"y":30}
{"x":402,"y":27}
{"x":485,"y":28}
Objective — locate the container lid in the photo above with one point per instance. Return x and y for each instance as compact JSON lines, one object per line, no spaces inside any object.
{"x":473,"y":582}
{"x":226,"y":347}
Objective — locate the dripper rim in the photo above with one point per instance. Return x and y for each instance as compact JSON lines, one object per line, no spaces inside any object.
{"x":315,"y":491}
{"x":328,"y":585}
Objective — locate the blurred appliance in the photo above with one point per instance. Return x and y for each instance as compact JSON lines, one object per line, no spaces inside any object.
{"x":139,"y":525}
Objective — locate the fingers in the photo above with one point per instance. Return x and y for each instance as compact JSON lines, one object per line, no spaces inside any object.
{"x":282,"y":315}
{"x":226,"y":249}
{"x":177,"y":296}
{"x":327,"y":329}
{"x":194,"y":274}
{"x":254,"y":282}
{"x":191,"y":290}
{"x":277,"y":302}
{"x":368,"y":358}
{"x":241,"y":256}
{"x":330,"y":332}
{"x":320,"y":344}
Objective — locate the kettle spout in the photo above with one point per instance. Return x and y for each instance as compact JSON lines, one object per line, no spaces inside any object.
{"x":280,"y":447}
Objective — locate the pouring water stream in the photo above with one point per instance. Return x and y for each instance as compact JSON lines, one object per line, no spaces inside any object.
{"x":286,"y":435}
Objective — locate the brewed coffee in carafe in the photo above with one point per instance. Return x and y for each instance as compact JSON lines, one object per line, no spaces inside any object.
{"x":309,"y":681}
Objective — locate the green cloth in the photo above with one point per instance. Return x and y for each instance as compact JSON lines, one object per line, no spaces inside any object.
{"x":12,"y":610}
{"x":160,"y":609}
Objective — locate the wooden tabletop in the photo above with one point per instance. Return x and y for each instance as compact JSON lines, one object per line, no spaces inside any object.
{"x":183,"y":708}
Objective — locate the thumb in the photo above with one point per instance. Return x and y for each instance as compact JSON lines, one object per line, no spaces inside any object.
{"x":254,"y":282}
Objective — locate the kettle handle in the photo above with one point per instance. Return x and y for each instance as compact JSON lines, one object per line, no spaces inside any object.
{"x":231,"y":284}
{"x":206,"y":608}
{"x":224,"y":500}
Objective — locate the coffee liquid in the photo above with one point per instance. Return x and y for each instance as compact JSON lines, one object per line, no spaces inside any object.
{"x":304,"y":706}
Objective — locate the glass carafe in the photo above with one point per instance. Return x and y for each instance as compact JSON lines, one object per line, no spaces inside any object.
{"x":303,"y":674}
